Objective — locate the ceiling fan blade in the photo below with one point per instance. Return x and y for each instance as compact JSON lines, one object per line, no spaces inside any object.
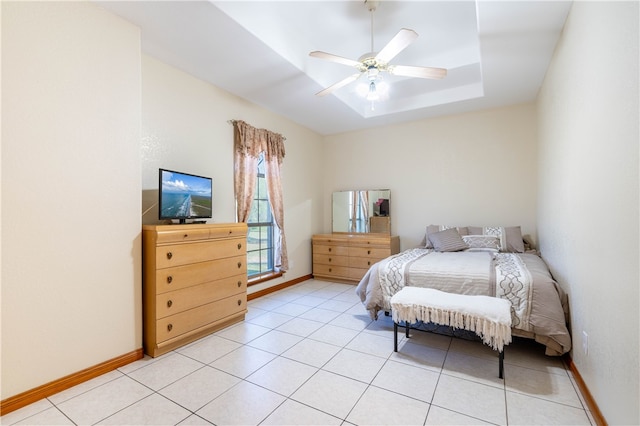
{"x":334,"y":58}
{"x":397,"y":44}
{"x":420,"y":72}
{"x":338,"y":85}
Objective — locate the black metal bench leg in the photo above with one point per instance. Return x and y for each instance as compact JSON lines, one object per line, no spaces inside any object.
{"x":501,"y":366}
{"x":395,"y":336}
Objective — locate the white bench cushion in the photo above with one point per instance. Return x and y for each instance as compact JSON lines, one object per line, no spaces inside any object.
{"x":488,"y":317}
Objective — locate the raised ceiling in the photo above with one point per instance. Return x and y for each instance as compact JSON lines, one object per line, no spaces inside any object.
{"x":496,"y":53}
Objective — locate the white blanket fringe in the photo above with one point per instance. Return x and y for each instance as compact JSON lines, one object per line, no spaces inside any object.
{"x":488,"y":317}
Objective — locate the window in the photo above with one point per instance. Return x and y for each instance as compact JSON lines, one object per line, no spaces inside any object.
{"x":358,"y":211}
{"x":359,"y":222}
{"x":261,"y":226}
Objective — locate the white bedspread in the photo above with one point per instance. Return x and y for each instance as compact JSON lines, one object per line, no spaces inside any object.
{"x":451,"y":273}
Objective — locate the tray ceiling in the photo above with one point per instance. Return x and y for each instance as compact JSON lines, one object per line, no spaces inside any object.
{"x":496,"y":53}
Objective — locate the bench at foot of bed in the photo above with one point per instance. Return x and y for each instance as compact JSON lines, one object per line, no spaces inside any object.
{"x":488,"y":317}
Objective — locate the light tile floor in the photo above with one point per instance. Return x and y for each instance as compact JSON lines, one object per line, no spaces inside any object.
{"x":310,"y":355}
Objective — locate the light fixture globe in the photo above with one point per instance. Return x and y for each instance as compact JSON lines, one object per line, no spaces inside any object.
{"x":372,"y":95}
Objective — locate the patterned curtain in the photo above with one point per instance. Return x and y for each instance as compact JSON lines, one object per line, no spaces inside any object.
{"x":248,"y":143}
{"x":364,"y":197}
{"x":353,"y":226}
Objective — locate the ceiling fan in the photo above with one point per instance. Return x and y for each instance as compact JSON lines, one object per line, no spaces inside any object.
{"x":373,"y":63}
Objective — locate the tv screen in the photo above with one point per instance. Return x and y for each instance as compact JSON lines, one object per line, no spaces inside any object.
{"x":184,"y":196}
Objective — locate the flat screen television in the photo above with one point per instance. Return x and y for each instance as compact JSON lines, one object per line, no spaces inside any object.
{"x":184,"y":196}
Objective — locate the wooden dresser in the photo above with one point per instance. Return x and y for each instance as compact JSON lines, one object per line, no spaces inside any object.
{"x":194,"y":282}
{"x":347,"y":257}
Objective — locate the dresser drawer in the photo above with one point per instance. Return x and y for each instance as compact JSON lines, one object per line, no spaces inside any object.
{"x":175,"y":325}
{"x":330,"y":270}
{"x":179,"y":277}
{"x":328,"y":259}
{"x":183,"y":254}
{"x":182,"y":235}
{"x":361,"y":262}
{"x":330,"y":249}
{"x":369,"y":243}
{"x":237,"y":231}
{"x":369,"y":252}
{"x":328,"y":239}
{"x":174,"y":302}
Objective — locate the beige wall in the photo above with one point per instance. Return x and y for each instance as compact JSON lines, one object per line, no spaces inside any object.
{"x":71,"y":282}
{"x":472,"y":169}
{"x":70,"y":191}
{"x":185,"y":128}
{"x":588,"y":198}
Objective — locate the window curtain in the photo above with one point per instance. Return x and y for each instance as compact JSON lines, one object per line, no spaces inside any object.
{"x":364,"y":198}
{"x":353,"y":226}
{"x":248,"y":143}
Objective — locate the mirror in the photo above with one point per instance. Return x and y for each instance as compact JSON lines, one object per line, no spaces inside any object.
{"x":361,"y":211}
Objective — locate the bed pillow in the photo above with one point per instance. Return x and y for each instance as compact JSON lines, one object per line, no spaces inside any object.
{"x":432,"y":229}
{"x":447,"y":240}
{"x":510,"y":237}
{"x":482,"y":242}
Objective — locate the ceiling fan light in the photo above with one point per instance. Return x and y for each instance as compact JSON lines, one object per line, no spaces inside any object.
{"x":362,"y":89}
{"x":373,"y":93}
{"x":382,"y":89}
{"x":372,"y":73}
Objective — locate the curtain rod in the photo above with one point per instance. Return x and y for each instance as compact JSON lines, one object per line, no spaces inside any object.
{"x":233,"y":121}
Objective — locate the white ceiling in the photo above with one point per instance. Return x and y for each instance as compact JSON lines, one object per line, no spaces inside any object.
{"x":496,"y":53}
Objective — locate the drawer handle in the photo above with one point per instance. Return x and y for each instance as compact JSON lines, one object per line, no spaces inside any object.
{"x":330,"y":270}
{"x":169,"y":303}
{"x":239,"y":264}
{"x":329,"y":259}
{"x":239,"y":283}
{"x":368,"y":251}
{"x":169,"y":327}
{"x":169,"y":279}
{"x":239,"y":246}
{"x":186,"y":236}
{"x":329,"y":249}
{"x":169,"y":255}
{"x":239,"y":302}
{"x":369,"y":263}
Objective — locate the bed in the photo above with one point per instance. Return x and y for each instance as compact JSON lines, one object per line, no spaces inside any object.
{"x":490,"y":261}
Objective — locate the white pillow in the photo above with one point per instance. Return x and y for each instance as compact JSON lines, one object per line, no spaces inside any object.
{"x":510,"y":236}
{"x":482,"y":242}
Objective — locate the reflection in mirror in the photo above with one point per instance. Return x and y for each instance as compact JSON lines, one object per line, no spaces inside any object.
{"x":361,"y":211}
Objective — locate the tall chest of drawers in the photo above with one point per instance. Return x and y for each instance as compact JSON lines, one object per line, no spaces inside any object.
{"x":194,"y":282}
{"x":347,"y":257}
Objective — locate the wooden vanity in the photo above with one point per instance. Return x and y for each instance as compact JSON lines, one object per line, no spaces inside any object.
{"x":346,"y":257}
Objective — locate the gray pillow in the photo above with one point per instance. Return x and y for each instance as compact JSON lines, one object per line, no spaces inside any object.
{"x":432,"y":229}
{"x":447,"y":240}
